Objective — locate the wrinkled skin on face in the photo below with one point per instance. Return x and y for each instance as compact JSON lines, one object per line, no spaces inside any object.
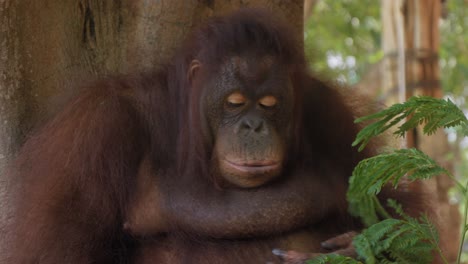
{"x":248,"y":109}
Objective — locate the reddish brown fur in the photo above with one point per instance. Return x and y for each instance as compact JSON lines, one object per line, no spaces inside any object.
{"x":75,"y":177}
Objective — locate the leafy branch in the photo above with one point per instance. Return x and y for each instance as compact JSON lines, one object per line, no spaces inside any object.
{"x":370,"y":175}
{"x":404,"y":240}
{"x":333,"y":258}
{"x":434,"y":113}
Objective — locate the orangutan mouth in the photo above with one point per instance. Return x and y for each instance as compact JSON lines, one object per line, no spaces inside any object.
{"x":254,"y":167}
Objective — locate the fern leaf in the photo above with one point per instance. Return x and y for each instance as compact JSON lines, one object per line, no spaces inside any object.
{"x":372,"y":174}
{"x":434,"y":113}
{"x":332,"y":259}
{"x":396,"y":241}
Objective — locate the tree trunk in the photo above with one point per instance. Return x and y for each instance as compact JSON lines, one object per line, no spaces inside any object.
{"x":411,"y":44}
{"x":49,"y":48}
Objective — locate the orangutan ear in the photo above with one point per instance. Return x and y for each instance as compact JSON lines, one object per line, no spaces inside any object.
{"x":193,"y":69}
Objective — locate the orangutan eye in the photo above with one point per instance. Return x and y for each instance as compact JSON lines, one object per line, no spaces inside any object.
{"x":236,"y":100}
{"x":268,"y":101}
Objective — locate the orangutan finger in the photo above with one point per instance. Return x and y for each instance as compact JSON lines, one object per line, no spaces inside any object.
{"x":340,"y":241}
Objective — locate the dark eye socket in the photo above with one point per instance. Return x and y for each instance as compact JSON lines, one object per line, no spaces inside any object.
{"x":234,"y":105}
{"x":267,"y":107}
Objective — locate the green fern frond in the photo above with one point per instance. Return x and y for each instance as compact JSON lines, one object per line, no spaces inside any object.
{"x":406,"y":240}
{"x":434,"y":113}
{"x":332,"y":259}
{"x":370,"y":175}
{"x":389,"y":241}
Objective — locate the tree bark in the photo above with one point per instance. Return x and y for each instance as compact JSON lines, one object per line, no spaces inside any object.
{"x":49,"y":48}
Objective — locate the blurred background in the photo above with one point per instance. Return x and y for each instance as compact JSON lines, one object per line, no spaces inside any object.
{"x":392,"y":50}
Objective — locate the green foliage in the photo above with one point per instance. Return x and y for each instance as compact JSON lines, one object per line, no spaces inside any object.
{"x":346,"y":31}
{"x":352,"y":30}
{"x":372,"y":174}
{"x":434,"y":113}
{"x":454,"y":49}
{"x":396,"y":241}
{"x":404,"y":240}
{"x":334,"y":259}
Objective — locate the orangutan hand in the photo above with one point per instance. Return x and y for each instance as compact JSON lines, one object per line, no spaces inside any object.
{"x":341,"y":244}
